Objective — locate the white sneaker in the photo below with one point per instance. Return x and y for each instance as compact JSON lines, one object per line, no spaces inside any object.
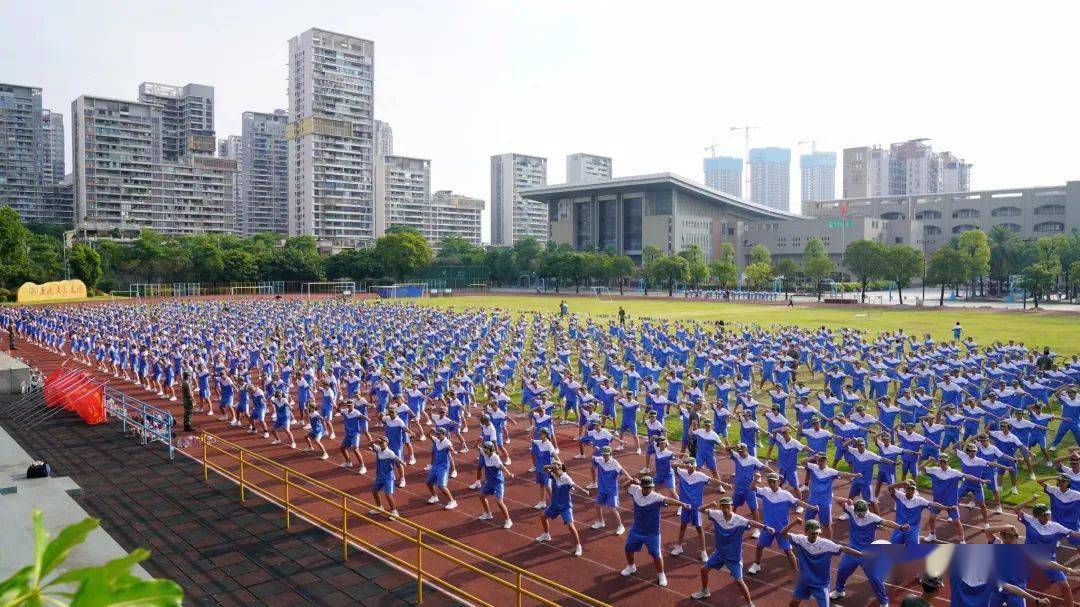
{"x":475,"y":485}
{"x":677,"y":550}
{"x":401,"y":483}
{"x":1013,"y":490}
{"x":644,"y":470}
{"x":591,"y":486}
{"x":487,"y":516}
{"x":362,"y":470}
{"x":453,"y":474}
{"x":970,"y":504}
{"x":540,"y":505}
{"x":577,"y":550}
{"x":701,"y":594}
{"x":324,"y":456}
{"x":661,"y":580}
{"x":394,"y":514}
{"x":373,"y":511}
{"x":756,"y":533}
{"x":598,"y":525}
{"x":997,"y":510}
{"x":450,"y":505}
{"x":753,"y":568}
{"x":508,"y":524}
{"x":427,"y":468}
{"x":533,"y":469}
{"x":433,"y":499}
{"x":508,"y":462}
{"x":637,"y":451}
{"x":275,"y":442}
{"x":292,"y":445}
{"x":629,"y":570}
{"x":345,"y":465}
{"x":266,"y":435}
{"x":836,"y":595}
{"x":931,"y":537}
{"x":620,"y":530}
{"x":800,"y":510}
{"x":543,"y":537}
{"x":412,"y":460}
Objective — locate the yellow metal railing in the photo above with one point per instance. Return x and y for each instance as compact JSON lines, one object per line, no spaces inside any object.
{"x":291,"y":481}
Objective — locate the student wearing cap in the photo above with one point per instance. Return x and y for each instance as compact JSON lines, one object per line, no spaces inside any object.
{"x":545,"y":453}
{"x":746,"y":467}
{"x":495,"y":473}
{"x":386,"y":463}
{"x":931,"y":585}
{"x":787,"y":459}
{"x":654,"y":430}
{"x":1070,"y":414}
{"x":664,"y":471}
{"x":973,"y":465}
{"x":912,"y":441}
{"x":562,"y":506}
{"x":776,"y":507}
{"x":442,"y":463}
{"x":692,"y":484}
{"x":1071,"y":468}
{"x":707,"y":443}
{"x":645,"y":530}
{"x":729,"y":529}
{"x":814,"y":554}
{"x":862,"y":463}
{"x":609,"y":473}
{"x":862,"y":526}
{"x":1013,"y":565}
{"x":886,"y":471}
{"x":1064,"y":502}
{"x":945,"y":485}
{"x":1010,"y":444}
{"x":819,"y":478}
{"x":909,"y":510}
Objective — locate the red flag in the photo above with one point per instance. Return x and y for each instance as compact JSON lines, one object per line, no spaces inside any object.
{"x":843,"y":210}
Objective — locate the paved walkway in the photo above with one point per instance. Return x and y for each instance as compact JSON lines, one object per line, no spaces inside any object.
{"x":221,"y":552}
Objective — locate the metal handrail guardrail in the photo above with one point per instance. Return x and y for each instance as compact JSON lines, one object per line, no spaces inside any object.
{"x":152,"y":423}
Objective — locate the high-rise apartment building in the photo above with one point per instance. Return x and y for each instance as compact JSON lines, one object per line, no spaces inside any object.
{"x":454,"y":215}
{"x":583,"y":168}
{"x":187,"y":118}
{"x":818,"y":171}
{"x":52,"y":126}
{"x":955,"y":174}
{"x":914,"y":168}
{"x":232,"y":147}
{"x":866,"y":172}
{"x":725,"y":174}
{"x":384,"y":138}
{"x":512,"y":216}
{"x":122,"y":184}
{"x":22,"y":150}
{"x":264,"y":171}
{"x":770,"y":177}
{"x":402,"y":192}
{"x":330,"y":138}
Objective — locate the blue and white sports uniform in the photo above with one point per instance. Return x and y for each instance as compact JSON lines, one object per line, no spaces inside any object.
{"x":561,"y":505}
{"x":815,"y":560}
{"x":863,"y":465}
{"x":745,"y":469}
{"x":776,"y":506}
{"x":862,"y":533}
{"x":351,"y":420}
{"x":385,"y":459}
{"x":545,"y":454}
{"x":645,"y":530}
{"x":707,"y":441}
{"x":439,"y":475}
{"x":729,"y":542}
{"x":692,"y":491}
{"x":945,"y":485}
{"x":494,"y":482}
{"x":1064,"y":508}
{"x":787,"y":459}
{"x":663,"y":475}
{"x":282,"y":413}
{"x":395,"y":429}
{"x":821,"y":492}
{"x":1048,"y":536}
{"x":975,"y":466}
{"x":318,"y":427}
{"x":607,"y":481}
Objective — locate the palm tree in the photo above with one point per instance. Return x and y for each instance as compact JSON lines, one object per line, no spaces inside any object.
{"x":1003,"y":248}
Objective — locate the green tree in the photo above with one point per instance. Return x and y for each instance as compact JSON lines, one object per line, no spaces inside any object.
{"x":902,"y":264}
{"x":403,"y":253}
{"x":816,"y":264}
{"x":525,"y":255}
{"x":1039,"y":278}
{"x":976,"y":249}
{"x":759,"y":254}
{"x":298,"y":260}
{"x":1074,"y":278}
{"x":1004,"y":245}
{"x":789,"y":269}
{"x":14,"y":246}
{"x":47,"y":257}
{"x":400,"y":229}
{"x":85,"y":264}
{"x":455,"y":250}
{"x":148,"y":252}
{"x":622,"y":269}
{"x":948,"y":267}
{"x":758,"y":274}
{"x":649,"y":255}
{"x":724,"y":269}
{"x":357,"y":265}
{"x":239,"y":266}
{"x":670,"y":269}
{"x":207,"y":262}
{"x":866,"y":260}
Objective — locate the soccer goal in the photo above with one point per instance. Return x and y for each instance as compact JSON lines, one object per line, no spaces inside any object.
{"x":251,"y":290}
{"x":410,"y":290}
{"x":337,"y":288}
{"x":601,"y":293}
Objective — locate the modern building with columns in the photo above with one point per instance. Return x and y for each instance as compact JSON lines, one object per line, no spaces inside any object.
{"x":663,"y":210}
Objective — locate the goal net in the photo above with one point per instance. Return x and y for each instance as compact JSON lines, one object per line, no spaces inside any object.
{"x":410,"y":290}
{"x":601,"y":293}
{"x":251,"y":290}
{"x":337,"y":288}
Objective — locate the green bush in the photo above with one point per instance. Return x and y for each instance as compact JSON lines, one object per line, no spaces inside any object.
{"x":106,"y":285}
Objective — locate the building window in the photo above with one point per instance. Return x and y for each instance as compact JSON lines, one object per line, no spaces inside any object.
{"x":1050,"y":209}
{"x":964,"y":227}
{"x":892,"y":215}
{"x":1010,"y":226}
{"x":931,"y":230}
{"x":1006,"y":212}
{"x":928,"y":215}
{"x":1050,"y":226}
{"x":965,"y":214}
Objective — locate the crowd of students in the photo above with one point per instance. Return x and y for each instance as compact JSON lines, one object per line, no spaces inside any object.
{"x":891,"y":408}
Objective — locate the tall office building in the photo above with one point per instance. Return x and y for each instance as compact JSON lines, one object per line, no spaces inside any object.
{"x":724,"y":173}
{"x":402,"y":192}
{"x":384,"y":138}
{"x":866,"y":172}
{"x":187,"y":118}
{"x":454,"y":215}
{"x":52,"y":126}
{"x":770,"y":177}
{"x":264,"y":171}
{"x":955,"y":174}
{"x":330,"y":131}
{"x":122,"y":184}
{"x":583,"y":168}
{"x":514,"y":217}
{"x":22,"y":149}
{"x":818,"y":171}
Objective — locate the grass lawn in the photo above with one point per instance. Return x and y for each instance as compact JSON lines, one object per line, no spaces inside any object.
{"x":1035,"y":329}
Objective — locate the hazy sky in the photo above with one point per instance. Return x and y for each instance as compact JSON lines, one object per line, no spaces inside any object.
{"x":650,"y":84}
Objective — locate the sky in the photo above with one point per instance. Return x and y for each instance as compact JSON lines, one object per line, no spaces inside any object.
{"x":649,"y":84}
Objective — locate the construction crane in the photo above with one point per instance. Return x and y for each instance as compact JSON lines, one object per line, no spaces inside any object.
{"x":813,"y":145}
{"x":712,"y":148}
{"x":746,"y":149}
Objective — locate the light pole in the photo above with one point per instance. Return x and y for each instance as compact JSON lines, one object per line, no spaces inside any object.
{"x":924,"y":242}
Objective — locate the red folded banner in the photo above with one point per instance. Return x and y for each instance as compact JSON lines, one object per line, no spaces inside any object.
{"x":77,"y":392}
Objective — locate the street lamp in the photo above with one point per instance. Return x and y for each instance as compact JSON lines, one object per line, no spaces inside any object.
{"x":924,"y":242}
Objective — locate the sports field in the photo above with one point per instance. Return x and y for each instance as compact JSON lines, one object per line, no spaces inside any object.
{"x":1035,"y":329}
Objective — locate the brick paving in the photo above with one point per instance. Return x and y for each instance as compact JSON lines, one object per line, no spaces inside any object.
{"x":220,"y":551}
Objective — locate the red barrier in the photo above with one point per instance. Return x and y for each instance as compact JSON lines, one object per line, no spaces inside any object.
{"x":77,"y":392}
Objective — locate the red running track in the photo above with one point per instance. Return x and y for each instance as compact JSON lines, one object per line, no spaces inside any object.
{"x":596,"y":573}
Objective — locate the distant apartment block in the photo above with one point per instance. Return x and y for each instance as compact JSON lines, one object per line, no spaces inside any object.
{"x":770,"y":177}
{"x":512,"y":216}
{"x":725,"y":174}
{"x":22,"y":149}
{"x":907,"y":168}
{"x":384,"y":138}
{"x":402,"y":192}
{"x":818,"y":176}
{"x":330,"y":138}
{"x":582,"y":168}
{"x":264,"y":174}
{"x":187,"y":118}
{"x":52,"y":126}
{"x":455,"y":215}
{"x":866,"y":172}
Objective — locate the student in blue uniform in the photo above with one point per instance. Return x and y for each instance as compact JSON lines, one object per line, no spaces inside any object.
{"x":776,"y":507}
{"x":645,"y":531}
{"x":442,"y":463}
{"x":351,"y":418}
{"x":282,"y":419}
{"x":729,"y":529}
{"x":562,"y":506}
{"x":608,"y":474}
{"x":1043,"y":532}
{"x":862,"y":531}
{"x":386,"y":463}
{"x":815,"y":555}
{"x":692,"y":483}
{"x":909,"y":510}
{"x":819,"y":479}
{"x":495,"y":473}
{"x":746,"y":468}
{"x":945,"y":484}
{"x":315,"y":434}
